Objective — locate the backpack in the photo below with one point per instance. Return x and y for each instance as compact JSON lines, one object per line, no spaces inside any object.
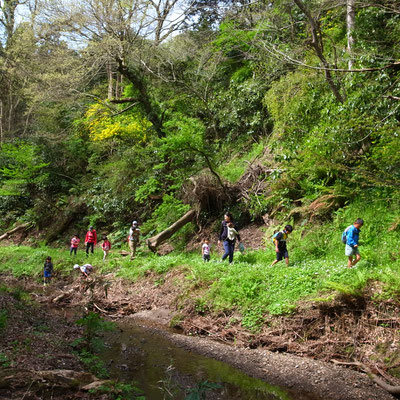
{"x":274,"y":237}
{"x":344,"y":235}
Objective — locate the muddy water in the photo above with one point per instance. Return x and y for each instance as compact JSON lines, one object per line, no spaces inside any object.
{"x":159,"y":367}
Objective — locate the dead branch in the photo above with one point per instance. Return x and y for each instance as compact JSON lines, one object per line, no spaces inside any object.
{"x":125,"y":100}
{"x":389,"y":388}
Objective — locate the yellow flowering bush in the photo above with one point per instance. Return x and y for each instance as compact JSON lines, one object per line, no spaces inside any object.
{"x":102,"y":125}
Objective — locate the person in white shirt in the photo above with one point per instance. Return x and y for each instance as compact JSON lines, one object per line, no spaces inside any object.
{"x":206,"y":250}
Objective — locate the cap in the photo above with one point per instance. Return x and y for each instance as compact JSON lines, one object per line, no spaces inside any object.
{"x":76,"y":266}
{"x":134,"y":222}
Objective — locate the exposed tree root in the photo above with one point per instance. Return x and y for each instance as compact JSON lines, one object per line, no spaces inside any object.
{"x":389,"y":388}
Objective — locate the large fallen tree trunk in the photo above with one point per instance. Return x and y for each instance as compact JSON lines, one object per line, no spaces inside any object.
{"x":155,"y":241}
{"x":14,"y":230}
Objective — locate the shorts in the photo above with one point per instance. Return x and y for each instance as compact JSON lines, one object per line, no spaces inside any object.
{"x":351,"y":251}
{"x":47,"y":274}
{"x":282,"y":254}
{"x":206,"y":257}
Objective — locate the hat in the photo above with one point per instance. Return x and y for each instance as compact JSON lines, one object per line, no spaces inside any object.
{"x":76,"y":266}
{"x":90,"y":227}
{"x":134,"y":222}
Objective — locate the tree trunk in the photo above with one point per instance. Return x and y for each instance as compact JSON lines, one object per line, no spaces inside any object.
{"x":317,"y":44}
{"x":155,"y":241}
{"x":149,"y":108}
{"x":110,"y":81}
{"x":350,"y":23}
{"x":16,"y":229}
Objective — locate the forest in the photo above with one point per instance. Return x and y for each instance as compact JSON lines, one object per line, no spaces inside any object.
{"x":279,"y":112}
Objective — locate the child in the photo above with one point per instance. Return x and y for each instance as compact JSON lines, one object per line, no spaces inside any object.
{"x":48,"y":269}
{"x":106,"y":246}
{"x":206,"y":250}
{"x":352,"y":235}
{"x":279,"y":240}
{"x":133,"y":239}
{"x":232,"y":232}
{"x":74,"y":244}
{"x":85,"y":269}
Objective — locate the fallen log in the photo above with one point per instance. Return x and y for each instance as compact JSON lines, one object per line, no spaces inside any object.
{"x":14,"y":378}
{"x":14,"y":230}
{"x":155,"y":241}
{"x":62,"y":295}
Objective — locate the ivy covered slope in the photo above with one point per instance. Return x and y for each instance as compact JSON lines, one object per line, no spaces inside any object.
{"x":103,"y":127}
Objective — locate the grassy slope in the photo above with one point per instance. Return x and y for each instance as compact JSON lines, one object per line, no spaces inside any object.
{"x":250,"y":286}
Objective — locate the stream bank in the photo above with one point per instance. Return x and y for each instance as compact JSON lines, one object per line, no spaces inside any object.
{"x":301,"y":376}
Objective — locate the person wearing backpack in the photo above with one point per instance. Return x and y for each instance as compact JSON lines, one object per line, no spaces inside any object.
{"x":279,"y":240}
{"x":227,"y":236}
{"x":90,"y":240}
{"x":350,"y":237}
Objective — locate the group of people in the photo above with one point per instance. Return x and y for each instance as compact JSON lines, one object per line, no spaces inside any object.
{"x":229,"y":234}
{"x":91,"y":241}
{"x":227,"y":237}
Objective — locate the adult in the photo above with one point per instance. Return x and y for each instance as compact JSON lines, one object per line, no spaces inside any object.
{"x":352,"y":237}
{"x":227,"y":238}
{"x":133,"y":239}
{"x":90,"y":240}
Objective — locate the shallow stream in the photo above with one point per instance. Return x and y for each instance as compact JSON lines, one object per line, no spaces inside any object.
{"x":160,"y":368}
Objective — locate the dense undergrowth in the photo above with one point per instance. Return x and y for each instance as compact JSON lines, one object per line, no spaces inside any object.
{"x":250,"y":286}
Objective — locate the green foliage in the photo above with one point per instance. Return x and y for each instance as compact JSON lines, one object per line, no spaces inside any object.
{"x":20,"y":165}
{"x":4,"y":361}
{"x":92,"y":343}
{"x":94,"y":364}
{"x":119,"y":391}
{"x":93,"y":326}
{"x":165,"y":214}
{"x":199,"y":392}
{"x":3,"y":320}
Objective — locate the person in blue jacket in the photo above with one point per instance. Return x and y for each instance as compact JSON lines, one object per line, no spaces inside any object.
{"x":352,"y":236}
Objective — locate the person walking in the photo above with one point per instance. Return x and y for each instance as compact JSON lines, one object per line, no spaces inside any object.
{"x":90,"y":240}
{"x":133,"y":238}
{"x":106,"y":246}
{"x":47,"y":271}
{"x":279,"y":240}
{"x":351,"y":238}
{"x":227,"y":236}
{"x":206,"y":250}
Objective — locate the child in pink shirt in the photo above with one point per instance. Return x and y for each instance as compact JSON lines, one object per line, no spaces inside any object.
{"x":74,"y":244}
{"x":106,"y":246}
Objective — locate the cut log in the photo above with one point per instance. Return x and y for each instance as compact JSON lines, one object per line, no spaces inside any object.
{"x":155,"y":241}
{"x":14,"y":230}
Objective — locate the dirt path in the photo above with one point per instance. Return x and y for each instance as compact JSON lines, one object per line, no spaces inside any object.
{"x":151,"y":307}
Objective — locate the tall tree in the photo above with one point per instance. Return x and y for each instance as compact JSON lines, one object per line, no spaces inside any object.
{"x":350,"y":22}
